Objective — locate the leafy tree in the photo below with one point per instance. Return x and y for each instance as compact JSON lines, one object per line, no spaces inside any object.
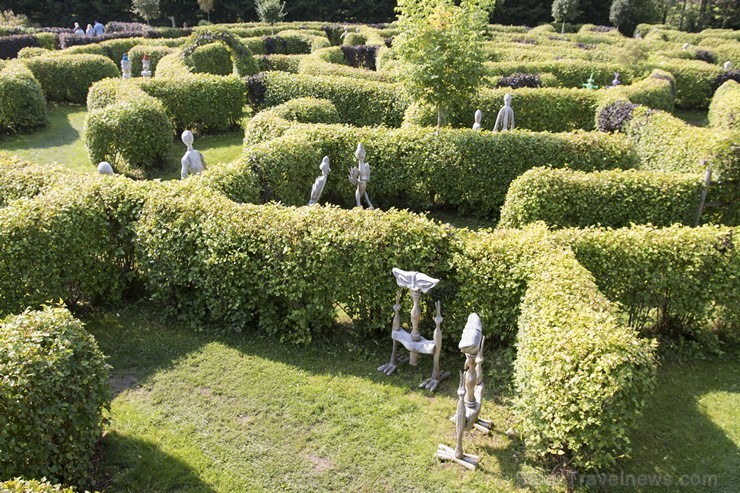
{"x":619,"y":12}
{"x":440,"y":48}
{"x":564,"y":10}
{"x":270,"y":11}
{"x":148,"y":9}
{"x":206,"y":6}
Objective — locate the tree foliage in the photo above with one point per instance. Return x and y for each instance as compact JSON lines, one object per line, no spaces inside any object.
{"x":148,"y":9}
{"x":270,"y":11}
{"x":619,"y":12}
{"x":206,"y":6}
{"x":440,"y":50}
{"x":564,"y":11}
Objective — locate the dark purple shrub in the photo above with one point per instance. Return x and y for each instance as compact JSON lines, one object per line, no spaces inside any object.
{"x":361,"y":56}
{"x":612,"y":117}
{"x":11,"y":45}
{"x":517,"y":81}
{"x":705,"y":56}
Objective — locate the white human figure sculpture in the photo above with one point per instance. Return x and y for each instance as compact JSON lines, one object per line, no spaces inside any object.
{"x":478,"y":118}
{"x":318,"y":185}
{"x":685,"y":46}
{"x":505,"y":116}
{"x":360,"y":175}
{"x":192,"y":161}
{"x":470,"y":394}
{"x":104,"y":168}
{"x":417,"y":283}
{"x":726,"y":66}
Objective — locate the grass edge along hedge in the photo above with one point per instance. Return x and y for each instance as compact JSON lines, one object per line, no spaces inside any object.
{"x":581,"y":377}
{"x":565,"y":198}
{"x":56,"y":389}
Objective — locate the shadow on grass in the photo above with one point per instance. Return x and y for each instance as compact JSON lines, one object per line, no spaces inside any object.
{"x":128,"y":464}
{"x":65,"y":123}
{"x":688,"y":432}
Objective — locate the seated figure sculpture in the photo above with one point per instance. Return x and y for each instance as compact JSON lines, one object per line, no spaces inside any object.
{"x":505,"y":116}
{"x":320,"y":183}
{"x":417,"y":283}
{"x":192,"y":161}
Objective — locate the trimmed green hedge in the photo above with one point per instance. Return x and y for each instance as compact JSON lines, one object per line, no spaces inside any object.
{"x":724,"y":111}
{"x":213,"y":59}
{"x":133,"y":135}
{"x":282,"y":63}
{"x":417,"y":168}
{"x":694,"y":82}
{"x":359,"y":102}
{"x":564,"y":198}
{"x":307,"y":110}
{"x":203,"y":102}
{"x":671,"y":281}
{"x":570,"y":73}
{"x":55,"y":387}
{"x":666,"y":143}
{"x":581,"y":378}
{"x":22,"y":103}
{"x":657,"y":91}
{"x":19,"y":178}
{"x":67,"y":78}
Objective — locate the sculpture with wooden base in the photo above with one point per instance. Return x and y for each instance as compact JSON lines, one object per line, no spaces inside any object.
{"x":417,"y":283}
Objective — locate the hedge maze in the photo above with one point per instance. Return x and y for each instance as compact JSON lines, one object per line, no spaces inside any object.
{"x":594,"y":196}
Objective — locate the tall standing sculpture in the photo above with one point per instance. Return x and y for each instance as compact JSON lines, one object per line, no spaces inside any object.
{"x":505,"y":116}
{"x":360,"y":175}
{"x":478,"y":118}
{"x":417,"y":283}
{"x":318,"y":185}
{"x":192,"y":161}
{"x":470,"y":394}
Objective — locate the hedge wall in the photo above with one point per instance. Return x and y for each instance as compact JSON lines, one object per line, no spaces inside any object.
{"x":564,"y":198}
{"x":213,"y":59}
{"x":665,"y":143}
{"x":724,"y":111}
{"x":22,"y":104}
{"x":359,"y":102}
{"x":416,"y":167}
{"x":153,"y":53}
{"x":570,"y":73}
{"x":67,"y":78}
{"x":51,"y":404}
{"x":674,"y":281}
{"x":581,"y":378}
{"x":694,"y":82}
{"x":19,"y":178}
{"x":19,"y":485}
{"x":203,"y":102}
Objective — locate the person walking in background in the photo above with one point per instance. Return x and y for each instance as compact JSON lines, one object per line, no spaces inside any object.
{"x":99,"y":29}
{"x":78,"y":29}
{"x":89,"y":32}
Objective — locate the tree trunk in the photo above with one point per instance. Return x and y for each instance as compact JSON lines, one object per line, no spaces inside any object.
{"x":683,"y":14}
{"x":702,"y":14}
{"x":439,"y":118}
{"x":562,"y":30}
{"x":209,"y":15}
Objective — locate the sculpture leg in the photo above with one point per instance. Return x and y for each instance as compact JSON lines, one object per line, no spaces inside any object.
{"x":391,"y":366}
{"x":369,"y":204}
{"x":437,"y":374}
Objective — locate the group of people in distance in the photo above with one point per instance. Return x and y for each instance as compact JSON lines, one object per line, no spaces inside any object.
{"x":92,"y":30}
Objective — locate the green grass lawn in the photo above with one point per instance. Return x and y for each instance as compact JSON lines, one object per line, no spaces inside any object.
{"x":698,"y":118}
{"x":202,"y":412}
{"x":61,"y":142}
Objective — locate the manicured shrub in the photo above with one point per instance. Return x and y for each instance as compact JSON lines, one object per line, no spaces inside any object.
{"x":244,"y":63}
{"x":544,"y":109}
{"x":153,"y":53}
{"x":22,"y":104}
{"x":213,"y":59}
{"x":22,"y":179}
{"x":612,"y":116}
{"x":564,"y":198}
{"x":11,"y":45}
{"x":417,"y":168}
{"x":694,"y":81}
{"x":133,"y":135}
{"x":581,"y":378}
{"x":359,"y":102}
{"x":172,"y":66}
{"x":657,"y":91}
{"x":671,"y":281}
{"x":362,"y":56}
{"x":307,"y":110}
{"x":724,"y":111}
{"x":31,"y":52}
{"x":55,"y":387}
{"x":67,"y":78}
{"x":570,"y":73}
{"x":518,"y":81}
{"x":283,"y":63}
{"x":19,"y":485}
{"x":665,"y":143}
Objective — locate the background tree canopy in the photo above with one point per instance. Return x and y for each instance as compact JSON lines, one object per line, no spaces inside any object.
{"x":685,"y":14}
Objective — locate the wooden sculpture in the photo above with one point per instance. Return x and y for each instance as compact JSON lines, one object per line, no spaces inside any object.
{"x":417,"y":283}
{"x":470,"y":393}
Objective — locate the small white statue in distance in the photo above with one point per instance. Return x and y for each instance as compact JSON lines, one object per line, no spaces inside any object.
{"x":360,"y":175}
{"x":505,"y":116}
{"x":318,"y":185}
{"x":417,"y":283}
{"x":192,"y":161}
{"x":726,"y":66}
{"x":104,"y":168}
{"x":478,"y":118}
{"x":470,"y":394}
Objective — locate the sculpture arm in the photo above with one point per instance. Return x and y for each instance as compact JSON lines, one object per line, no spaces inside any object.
{"x":184,"y":170}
